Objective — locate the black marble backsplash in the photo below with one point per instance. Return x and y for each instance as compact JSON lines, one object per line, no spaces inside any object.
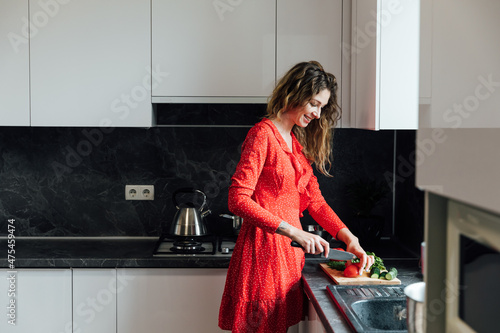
{"x":71,"y":181}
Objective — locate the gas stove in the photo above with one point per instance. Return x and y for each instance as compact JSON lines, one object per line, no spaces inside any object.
{"x":210,"y":245}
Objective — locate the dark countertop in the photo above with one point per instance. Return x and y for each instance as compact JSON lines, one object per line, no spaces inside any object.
{"x":136,"y":252}
{"x":90,"y":252}
{"x":315,"y":282}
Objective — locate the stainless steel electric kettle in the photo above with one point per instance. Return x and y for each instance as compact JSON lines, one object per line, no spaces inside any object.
{"x":188,"y":220}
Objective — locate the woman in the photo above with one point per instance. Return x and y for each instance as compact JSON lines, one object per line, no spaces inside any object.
{"x":272,"y":186}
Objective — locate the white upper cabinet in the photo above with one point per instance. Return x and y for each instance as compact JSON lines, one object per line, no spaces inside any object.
{"x":310,"y":30}
{"x":385,"y":64}
{"x":91,"y":63}
{"x":425,"y":86}
{"x":465,"y":65}
{"x":14,"y":64}
{"x":213,"y":49}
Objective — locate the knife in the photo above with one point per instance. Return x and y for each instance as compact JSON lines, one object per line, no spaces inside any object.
{"x":334,"y":254}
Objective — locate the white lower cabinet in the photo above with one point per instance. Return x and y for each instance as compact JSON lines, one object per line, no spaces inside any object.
{"x":94,"y":300}
{"x":314,"y":324}
{"x":158,"y":300}
{"x":36,"y":300}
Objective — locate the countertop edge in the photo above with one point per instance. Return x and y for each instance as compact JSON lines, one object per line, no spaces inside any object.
{"x":315,"y":282}
{"x":67,"y":263}
{"x":317,"y":307}
{"x":99,"y":252}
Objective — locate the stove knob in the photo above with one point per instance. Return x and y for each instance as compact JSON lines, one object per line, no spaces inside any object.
{"x":225,"y":250}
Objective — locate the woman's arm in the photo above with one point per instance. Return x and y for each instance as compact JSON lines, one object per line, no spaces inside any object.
{"x":328,"y":219}
{"x":320,"y":211}
{"x":254,"y":153}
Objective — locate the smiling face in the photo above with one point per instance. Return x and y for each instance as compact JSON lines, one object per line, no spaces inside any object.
{"x":303,"y":115}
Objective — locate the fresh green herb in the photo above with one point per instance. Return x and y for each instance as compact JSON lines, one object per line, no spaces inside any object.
{"x":379,"y":263}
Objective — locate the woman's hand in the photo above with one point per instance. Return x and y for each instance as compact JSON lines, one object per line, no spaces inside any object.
{"x":311,"y":243}
{"x":353,"y":246}
{"x":365,"y":260}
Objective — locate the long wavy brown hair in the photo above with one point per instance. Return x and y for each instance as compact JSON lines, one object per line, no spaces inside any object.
{"x":296,"y":88}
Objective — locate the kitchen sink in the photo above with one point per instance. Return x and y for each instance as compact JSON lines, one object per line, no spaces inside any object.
{"x":372,"y":308}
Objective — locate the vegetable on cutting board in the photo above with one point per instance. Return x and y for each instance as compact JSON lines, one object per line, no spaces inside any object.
{"x":375,"y":272}
{"x":351,"y":268}
{"x":351,"y":271}
{"x":391,"y":274}
{"x":336,"y":264}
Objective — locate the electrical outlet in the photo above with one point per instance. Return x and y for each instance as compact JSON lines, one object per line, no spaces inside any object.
{"x":139,"y":192}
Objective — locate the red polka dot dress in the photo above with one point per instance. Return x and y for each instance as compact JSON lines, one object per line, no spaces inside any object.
{"x":271,"y":184}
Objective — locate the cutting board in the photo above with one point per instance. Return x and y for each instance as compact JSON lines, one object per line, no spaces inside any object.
{"x":339,"y":278}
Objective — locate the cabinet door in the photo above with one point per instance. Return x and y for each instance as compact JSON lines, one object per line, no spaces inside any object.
{"x":425,"y":85}
{"x":94,"y":300}
{"x":173,"y":300}
{"x":14,"y":63}
{"x":309,"y":30}
{"x":214,"y":48}
{"x":42,"y":301}
{"x":314,"y":322}
{"x":465,"y":90}
{"x":90,"y":63}
{"x":385,"y":64}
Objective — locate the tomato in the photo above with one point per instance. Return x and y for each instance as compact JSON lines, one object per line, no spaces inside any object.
{"x":351,"y":271}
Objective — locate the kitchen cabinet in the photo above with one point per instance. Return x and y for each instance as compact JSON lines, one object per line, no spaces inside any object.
{"x":90,"y":63}
{"x":38,"y":299}
{"x":94,"y":300}
{"x":385,"y":64}
{"x":310,"y":30}
{"x":425,"y":84}
{"x":466,"y":77}
{"x":314,"y":324}
{"x":175,"y":300}
{"x":14,"y":64}
{"x":213,"y":50}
